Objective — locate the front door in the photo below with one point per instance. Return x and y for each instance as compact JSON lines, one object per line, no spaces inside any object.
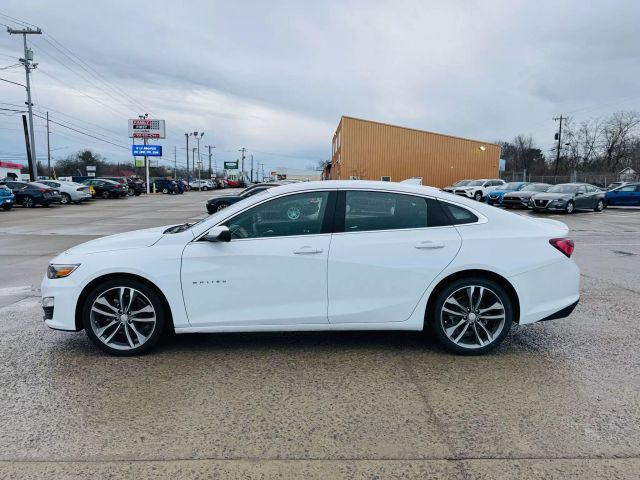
{"x":272,"y":272}
{"x":390,"y":248}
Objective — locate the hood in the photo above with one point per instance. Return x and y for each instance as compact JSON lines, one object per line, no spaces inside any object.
{"x":553,"y":196}
{"x":121,"y":241}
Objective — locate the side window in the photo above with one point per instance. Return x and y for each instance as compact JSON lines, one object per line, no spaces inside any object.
{"x":300,"y":214}
{"x":582,"y":189}
{"x":590,"y":188}
{"x":370,"y":211}
{"x":459,"y":215}
{"x":629,"y":188}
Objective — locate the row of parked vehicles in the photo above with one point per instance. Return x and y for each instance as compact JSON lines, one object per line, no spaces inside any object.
{"x":565,"y":197}
{"x":47,"y":192}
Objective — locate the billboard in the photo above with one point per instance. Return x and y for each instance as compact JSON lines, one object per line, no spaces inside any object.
{"x":231,"y":165}
{"x":146,"y":150}
{"x":146,"y":128}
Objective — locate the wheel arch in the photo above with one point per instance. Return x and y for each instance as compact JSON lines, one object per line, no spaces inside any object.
{"x":499,"y":279}
{"x":111,"y":276}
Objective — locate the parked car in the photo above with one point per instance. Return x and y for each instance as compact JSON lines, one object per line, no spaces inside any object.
{"x":216,"y":204}
{"x":460,"y":183}
{"x":135,"y":186}
{"x":569,"y":197}
{"x":69,"y":191}
{"x":613,"y":185}
{"x":203,"y":185}
{"x":411,"y":267}
{"x":478,"y":189}
{"x":628,"y":194}
{"x":165,"y":185}
{"x":30,"y":194}
{"x":7,"y":198}
{"x":521,"y":198}
{"x":495,"y":196}
{"x":104,"y":188}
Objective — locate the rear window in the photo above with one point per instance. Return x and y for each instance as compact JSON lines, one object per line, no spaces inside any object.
{"x":458,"y":215}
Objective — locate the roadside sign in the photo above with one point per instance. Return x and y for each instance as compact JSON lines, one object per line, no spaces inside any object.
{"x":146,"y":128}
{"x":91,"y":174}
{"x":139,"y":162}
{"x":91,"y":168}
{"x":146,"y":150}
{"x":230,"y":165}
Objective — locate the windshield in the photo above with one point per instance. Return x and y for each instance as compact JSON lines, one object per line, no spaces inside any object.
{"x":510,"y":186}
{"x":476,"y":183}
{"x":535,"y":188}
{"x":461,"y":183}
{"x":563,"y":189}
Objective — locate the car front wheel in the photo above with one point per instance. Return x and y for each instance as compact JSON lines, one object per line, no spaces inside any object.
{"x":28,"y":202}
{"x":221,"y":206}
{"x":570,"y":208}
{"x":599,"y":206}
{"x":123,"y":317}
{"x":471,"y":316}
{"x":478,"y":196}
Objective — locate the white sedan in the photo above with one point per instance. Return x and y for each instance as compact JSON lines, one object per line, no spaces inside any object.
{"x":333,"y":255}
{"x":69,"y":191}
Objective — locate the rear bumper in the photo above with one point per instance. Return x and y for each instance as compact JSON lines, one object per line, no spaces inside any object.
{"x":562,"y":313}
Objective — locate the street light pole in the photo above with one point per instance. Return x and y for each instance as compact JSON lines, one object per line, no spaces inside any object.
{"x":186,"y":136}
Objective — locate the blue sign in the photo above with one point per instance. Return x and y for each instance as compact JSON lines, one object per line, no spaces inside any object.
{"x":146,"y":150}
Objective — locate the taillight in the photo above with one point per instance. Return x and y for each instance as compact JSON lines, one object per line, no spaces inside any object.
{"x":43,"y":190}
{"x":565,"y":245}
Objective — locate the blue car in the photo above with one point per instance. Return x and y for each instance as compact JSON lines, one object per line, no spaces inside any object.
{"x":626,"y":195}
{"x":7,"y":198}
{"x":495,"y":197}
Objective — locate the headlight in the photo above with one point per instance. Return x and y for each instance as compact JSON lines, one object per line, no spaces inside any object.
{"x":61,"y":271}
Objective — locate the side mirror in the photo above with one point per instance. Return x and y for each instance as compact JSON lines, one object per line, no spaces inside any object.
{"x":220,"y":233}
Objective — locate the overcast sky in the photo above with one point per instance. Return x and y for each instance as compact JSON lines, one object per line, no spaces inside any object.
{"x":275,"y":77}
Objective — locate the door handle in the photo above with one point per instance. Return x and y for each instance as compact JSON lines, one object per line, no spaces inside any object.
{"x":429,"y":245}
{"x":307,"y":250}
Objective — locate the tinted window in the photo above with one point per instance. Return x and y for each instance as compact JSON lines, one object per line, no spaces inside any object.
{"x":300,"y":214}
{"x":368,"y":211}
{"x":582,"y":189}
{"x":628,"y":188}
{"x":591,"y":189}
{"x":459,"y":215}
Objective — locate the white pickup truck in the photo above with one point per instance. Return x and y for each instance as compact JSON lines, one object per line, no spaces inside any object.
{"x":479,"y":189}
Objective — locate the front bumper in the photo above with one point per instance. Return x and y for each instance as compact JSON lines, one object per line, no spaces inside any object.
{"x":552,"y":206}
{"x":6,"y":201}
{"x":515,"y":202}
{"x":497,"y":200}
{"x":64,"y":292}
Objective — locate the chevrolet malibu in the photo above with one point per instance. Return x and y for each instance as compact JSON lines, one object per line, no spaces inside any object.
{"x":333,"y":255}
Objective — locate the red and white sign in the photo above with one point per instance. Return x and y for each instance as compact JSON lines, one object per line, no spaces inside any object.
{"x":146,"y":128}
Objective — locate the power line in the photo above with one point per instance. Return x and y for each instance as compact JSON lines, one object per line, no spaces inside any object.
{"x":84,"y":133}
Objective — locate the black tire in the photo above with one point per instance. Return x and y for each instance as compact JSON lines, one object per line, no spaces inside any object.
{"x":137,"y":194}
{"x":204,"y":189}
{"x":161,"y":318}
{"x":28,"y":202}
{"x":436,"y":320}
{"x":221,"y":206}
{"x":131,"y":192}
{"x":7,"y":206}
{"x":477,"y":196}
{"x":570,"y":208}
{"x":105,"y":194}
{"x":65,"y":198}
{"x":599,"y":206}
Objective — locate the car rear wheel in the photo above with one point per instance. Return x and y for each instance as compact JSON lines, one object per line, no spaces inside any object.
{"x":204,"y":189}
{"x":165,"y":190}
{"x":478,"y":196}
{"x":221,"y":206}
{"x":105,"y":195}
{"x":472,"y":316}
{"x":131,"y":192}
{"x":599,"y":206}
{"x":65,"y":198}
{"x":28,"y":202}
{"x":571,"y":207}
{"x":123,"y":317}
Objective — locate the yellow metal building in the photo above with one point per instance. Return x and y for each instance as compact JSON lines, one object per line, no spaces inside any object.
{"x":367,"y":150}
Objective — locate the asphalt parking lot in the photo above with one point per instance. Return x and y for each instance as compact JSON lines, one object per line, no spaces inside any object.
{"x":558,"y":399}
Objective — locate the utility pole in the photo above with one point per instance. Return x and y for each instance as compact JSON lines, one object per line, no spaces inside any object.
{"x":252,"y":168}
{"x":210,"y":171}
{"x":175,"y":162}
{"x":48,"y":148}
{"x":243,"y":150}
{"x":26,"y":141}
{"x":193,"y":157}
{"x":187,"y":135}
{"x":559,"y":138}
{"x":27,"y":61}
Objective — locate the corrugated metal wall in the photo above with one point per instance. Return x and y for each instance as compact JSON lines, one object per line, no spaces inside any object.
{"x":371,"y":150}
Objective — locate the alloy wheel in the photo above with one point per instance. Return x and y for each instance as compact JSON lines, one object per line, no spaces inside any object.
{"x":570,"y":206}
{"x":222,"y":206}
{"x":65,"y":199}
{"x":28,"y":202}
{"x":473,"y":317}
{"x":600,"y":206}
{"x":123,"y":318}
{"x":478,"y":196}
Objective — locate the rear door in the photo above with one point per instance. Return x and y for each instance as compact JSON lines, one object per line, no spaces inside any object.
{"x":388,"y":247}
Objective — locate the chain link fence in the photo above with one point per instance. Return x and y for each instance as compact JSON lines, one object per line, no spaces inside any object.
{"x":598,"y":179}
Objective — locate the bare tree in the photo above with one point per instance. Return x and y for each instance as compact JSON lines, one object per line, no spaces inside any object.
{"x":582,"y":142}
{"x":617,"y":138}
